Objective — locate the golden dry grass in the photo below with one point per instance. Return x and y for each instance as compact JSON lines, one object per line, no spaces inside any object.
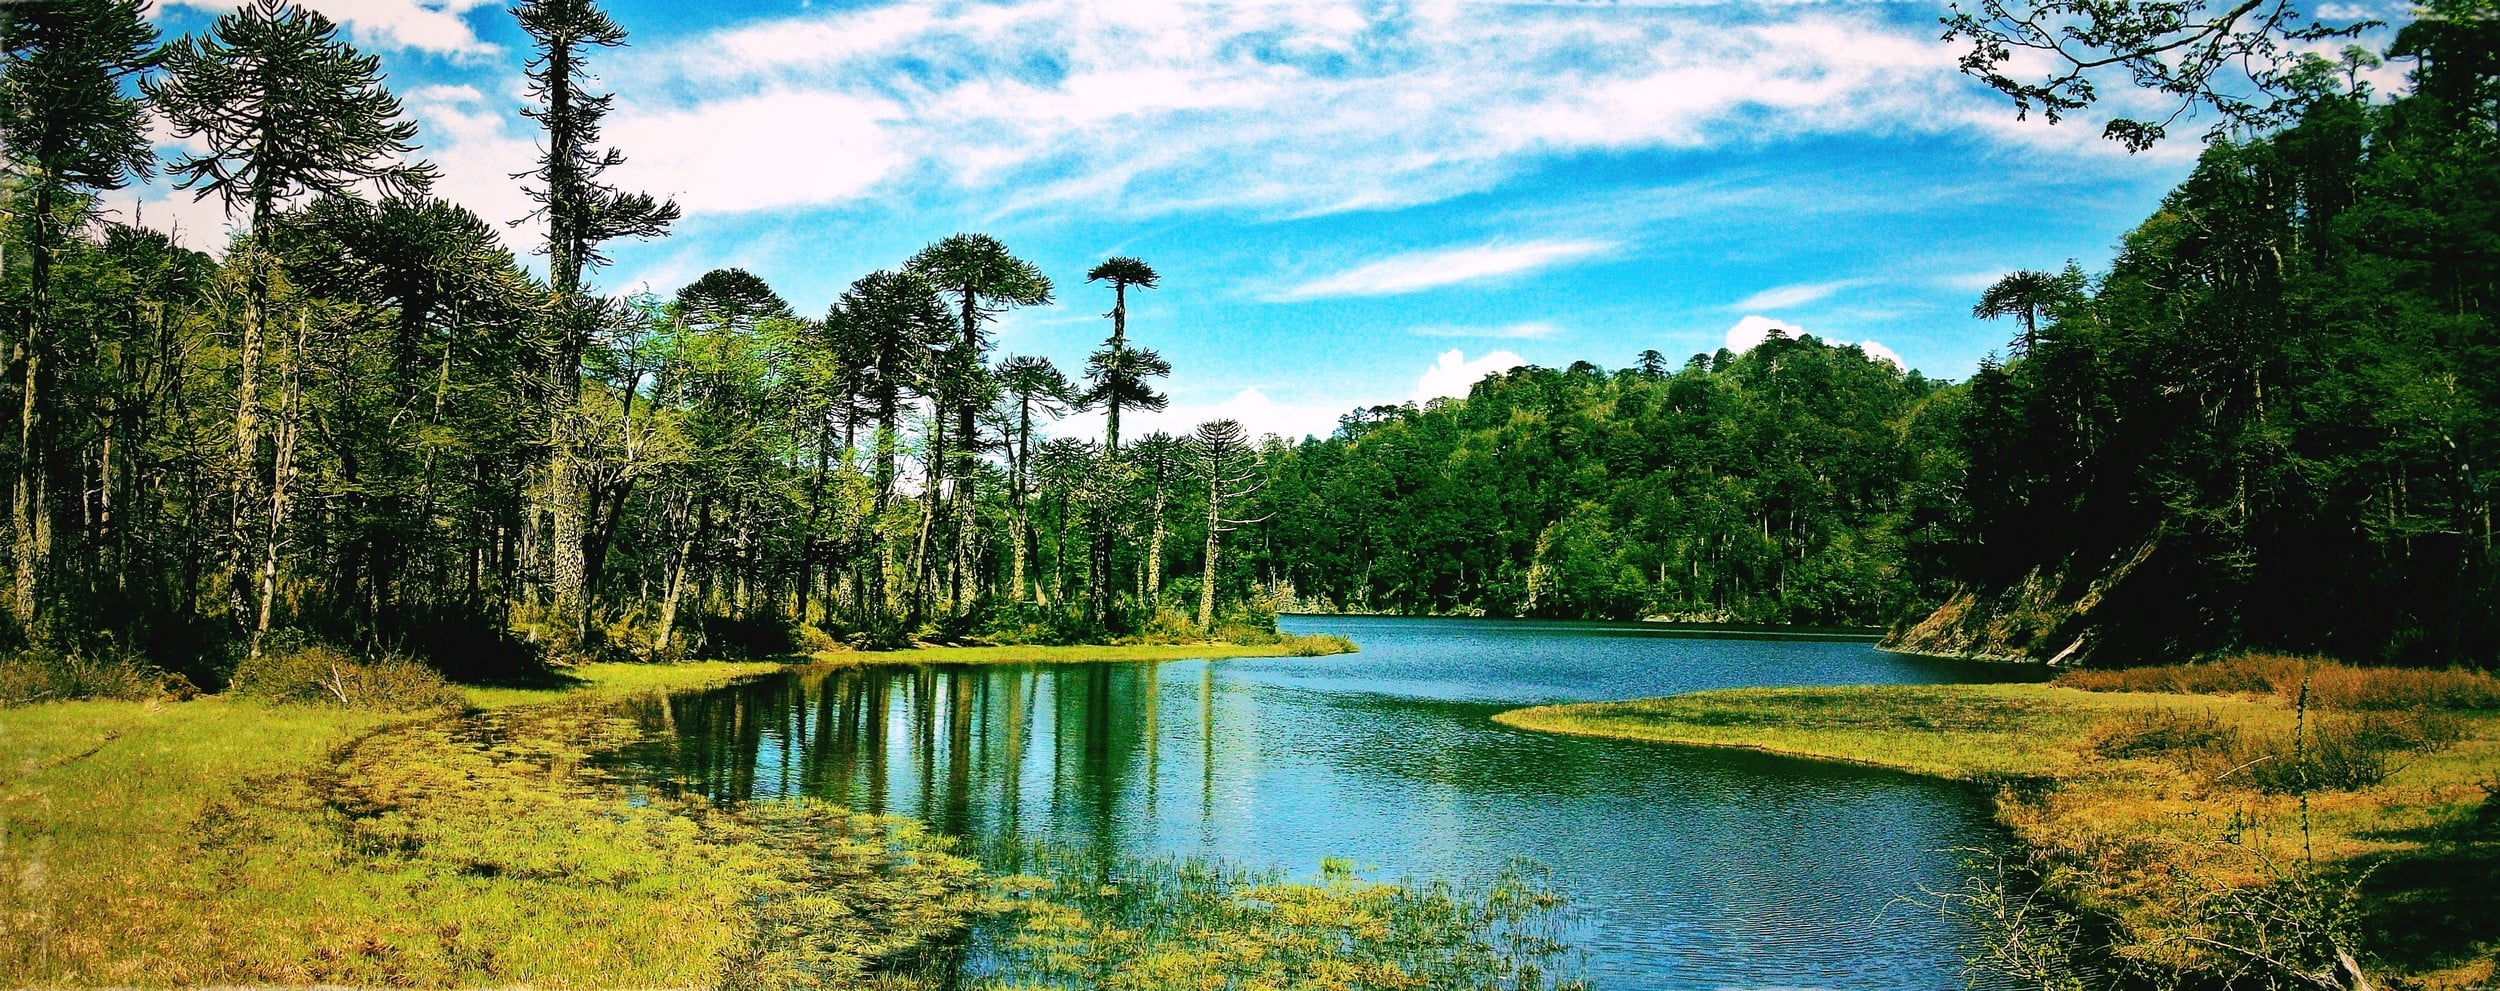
{"x":2146,"y":796}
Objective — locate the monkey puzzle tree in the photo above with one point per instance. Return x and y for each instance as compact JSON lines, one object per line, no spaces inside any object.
{"x":1033,"y":385}
{"x":582,"y":212}
{"x":283,"y":107}
{"x":1220,"y":451}
{"x":2027,"y":296}
{"x":1160,"y":458}
{"x":984,"y":279}
{"x":1122,"y":272}
{"x":67,"y":126}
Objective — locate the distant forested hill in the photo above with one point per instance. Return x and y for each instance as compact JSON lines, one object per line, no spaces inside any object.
{"x":1791,"y":483}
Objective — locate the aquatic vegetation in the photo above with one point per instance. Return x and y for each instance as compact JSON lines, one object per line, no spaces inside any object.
{"x":1070,"y":922}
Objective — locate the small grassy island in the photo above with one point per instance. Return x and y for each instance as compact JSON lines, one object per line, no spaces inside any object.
{"x":2178,"y":815}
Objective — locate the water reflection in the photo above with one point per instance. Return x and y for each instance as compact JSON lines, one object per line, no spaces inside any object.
{"x":1693,"y":868}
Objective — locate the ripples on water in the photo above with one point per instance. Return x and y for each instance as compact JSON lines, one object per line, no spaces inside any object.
{"x":1690,"y":868}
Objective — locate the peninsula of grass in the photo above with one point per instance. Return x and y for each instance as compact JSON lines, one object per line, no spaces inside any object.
{"x":2159,"y":800}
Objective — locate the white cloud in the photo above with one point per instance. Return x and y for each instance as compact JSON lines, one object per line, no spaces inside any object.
{"x":1974,"y":280}
{"x":1452,"y":375}
{"x":1527,"y":330}
{"x":1291,"y":106}
{"x":422,"y":25}
{"x":1256,"y":410}
{"x":729,"y":155}
{"x":1782,"y":297}
{"x":474,"y":141}
{"x":200,"y":225}
{"x":1418,"y":270}
{"x":1753,"y":329}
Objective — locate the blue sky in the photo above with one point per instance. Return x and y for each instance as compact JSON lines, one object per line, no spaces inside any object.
{"x":1350,"y":202}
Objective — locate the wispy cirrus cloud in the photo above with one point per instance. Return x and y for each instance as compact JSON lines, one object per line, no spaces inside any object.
{"x":1531,"y":330}
{"x":1284,"y":108}
{"x":1783,"y":297}
{"x":1414,"y":271}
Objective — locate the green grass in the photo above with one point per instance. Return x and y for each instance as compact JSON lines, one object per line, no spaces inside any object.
{"x":2147,"y":797}
{"x":1964,"y":732}
{"x":1293,"y":646}
{"x":223,"y":841}
{"x":622,"y":679}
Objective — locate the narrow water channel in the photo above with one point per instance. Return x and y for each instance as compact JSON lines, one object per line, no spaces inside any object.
{"x":1690,"y":868}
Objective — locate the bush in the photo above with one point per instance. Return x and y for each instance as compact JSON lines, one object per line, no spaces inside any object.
{"x":755,"y":637}
{"x":2163,"y":732}
{"x":1318,"y":645}
{"x":1171,"y":626}
{"x":2331,"y":685}
{"x":2343,"y":753}
{"x":2334,"y":686}
{"x":317,"y":674}
{"x":2328,"y":761}
{"x":44,"y":675}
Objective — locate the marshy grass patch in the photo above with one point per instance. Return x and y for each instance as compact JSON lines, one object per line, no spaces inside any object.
{"x":2168,"y":804}
{"x":1069,"y":921}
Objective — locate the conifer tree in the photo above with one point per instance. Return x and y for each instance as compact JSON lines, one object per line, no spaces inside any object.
{"x":284,"y":107}
{"x":582,"y":212}
{"x":67,"y":127}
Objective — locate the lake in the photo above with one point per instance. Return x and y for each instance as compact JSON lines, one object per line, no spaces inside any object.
{"x":1689,"y":868}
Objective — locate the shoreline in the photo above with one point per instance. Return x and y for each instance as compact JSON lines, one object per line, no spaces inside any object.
{"x":2099,"y":781}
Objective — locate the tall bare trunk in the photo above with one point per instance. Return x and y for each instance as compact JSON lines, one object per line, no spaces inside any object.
{"x":1215,"y":545}
{"x":27,"y":519}
{"x":282,"y":480}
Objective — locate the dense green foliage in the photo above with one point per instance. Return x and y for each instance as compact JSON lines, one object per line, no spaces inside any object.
{"x":369,"y":424}
{"x":2268,"y":423}
{"x":1786,"y":484}
{"x":2273,"y":421}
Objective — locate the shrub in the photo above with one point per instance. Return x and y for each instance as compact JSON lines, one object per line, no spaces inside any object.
{"x":2163,"y":732}
{"x":2244,"y":674}
{"x":2343,"y":753}
{"x":317,"y":674}
{"x":45,"y":675}
{"x":1318,"y":644}
{"x":2328,"y":761}
{"x":2331,"y":685}
{"x":757,"y":636}
{"x":1171,"y":626}
{"x":2335,"y":686}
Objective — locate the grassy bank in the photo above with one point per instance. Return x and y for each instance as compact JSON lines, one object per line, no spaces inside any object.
{"x":225,"y":841}
{"x":2170,"y":813}
{"x":1306,"y":645}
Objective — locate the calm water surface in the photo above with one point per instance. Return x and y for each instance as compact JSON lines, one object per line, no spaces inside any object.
{"x":1691,"y":868}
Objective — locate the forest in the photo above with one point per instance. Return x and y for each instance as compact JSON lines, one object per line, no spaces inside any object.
{"x":369,"y":423}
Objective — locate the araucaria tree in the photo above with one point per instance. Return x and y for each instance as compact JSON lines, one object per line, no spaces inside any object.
{"x":984,"y":279}
{"x":1122,"y":272}
{"x":1221,"y":453}
{"x":282,"y":107}
{"x":581,"y":212}
{"x":68,"y":127}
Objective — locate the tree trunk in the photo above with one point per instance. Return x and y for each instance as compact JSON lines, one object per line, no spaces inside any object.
{"x":1215,"y":545}
{"x":29,"y":534}
{"x":282,"y":478}
{"x":1154,"y":551}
